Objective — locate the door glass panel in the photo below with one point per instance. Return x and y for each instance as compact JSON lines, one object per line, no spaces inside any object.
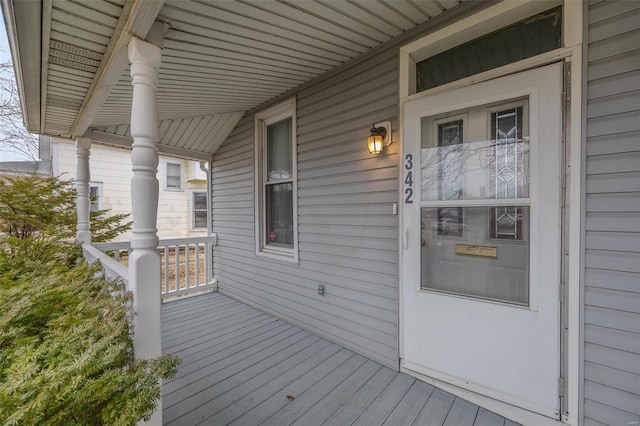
{"x":468,"y":260}
{"x":481,"y":153}
{"x":476,"y":154}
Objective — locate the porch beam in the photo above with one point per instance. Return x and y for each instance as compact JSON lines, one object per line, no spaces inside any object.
{"x":126,"y":142}
{"x":83,"y":202}
{"x":140,"y":17}
{"x":144,"y":261}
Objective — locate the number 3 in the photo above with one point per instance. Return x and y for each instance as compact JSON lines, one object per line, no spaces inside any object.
{"x":408,"y":161}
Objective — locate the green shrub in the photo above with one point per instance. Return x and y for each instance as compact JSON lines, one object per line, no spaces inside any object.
{"x":36,"y":206}
{"x":66,"y":351}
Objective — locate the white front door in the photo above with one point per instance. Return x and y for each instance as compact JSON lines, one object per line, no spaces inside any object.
{"x":481,"y":254}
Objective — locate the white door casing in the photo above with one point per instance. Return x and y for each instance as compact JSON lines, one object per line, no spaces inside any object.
{"x":506,"y":351}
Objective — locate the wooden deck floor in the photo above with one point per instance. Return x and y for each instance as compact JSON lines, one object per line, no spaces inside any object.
{"x":241,"y":366}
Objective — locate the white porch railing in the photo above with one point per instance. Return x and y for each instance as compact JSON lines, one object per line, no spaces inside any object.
{"x":111,"y":268}
{"x":186,"y":263}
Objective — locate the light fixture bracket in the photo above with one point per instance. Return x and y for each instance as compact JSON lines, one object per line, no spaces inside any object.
{"x":386,"y":125}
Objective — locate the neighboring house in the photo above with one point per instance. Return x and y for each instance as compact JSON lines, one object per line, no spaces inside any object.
{"x":25,"y":168}
{"x":183,"y":187}
{"x":491,"y":249}
{"x":41,"y":167}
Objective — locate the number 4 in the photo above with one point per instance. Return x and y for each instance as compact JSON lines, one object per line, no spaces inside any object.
{"x":409,"y":179}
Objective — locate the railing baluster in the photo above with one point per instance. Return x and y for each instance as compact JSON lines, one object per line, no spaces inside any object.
{"x":208,"y":264}
{"x":166,"y":270}
{"x":187,"y":265}
{"x":177,"y":265}
{"x":196,"y":248}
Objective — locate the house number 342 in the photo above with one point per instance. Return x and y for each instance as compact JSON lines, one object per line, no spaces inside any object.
{"x":408,"y":179}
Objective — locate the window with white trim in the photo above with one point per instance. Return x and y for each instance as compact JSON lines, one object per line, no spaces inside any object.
{"x":173,"y":176}
{"x":199,"y":210}
{"x":276,"y":192}
{"x":95,"y":195}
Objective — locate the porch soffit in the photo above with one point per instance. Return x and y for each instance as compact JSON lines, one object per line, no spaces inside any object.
{"x":192,"y":137}
{"x":220,"y":58}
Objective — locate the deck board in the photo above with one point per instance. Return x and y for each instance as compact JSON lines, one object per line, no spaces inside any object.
{"x":240,"y":365}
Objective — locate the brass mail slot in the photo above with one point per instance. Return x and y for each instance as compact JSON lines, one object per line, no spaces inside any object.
{"x":481,"y":251}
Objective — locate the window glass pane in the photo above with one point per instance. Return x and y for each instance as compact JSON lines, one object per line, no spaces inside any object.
{"x":174,"y":175}
{"x":94,"y":196}
{"x":200,"y":219}
{"x":278,"y":150}
{"x":450,"y":222}
{"x":486,"y":161}
{"x":470,"y":261}
{"x":199,"y":201}
{"x":524,"y":39}
{"x":279,"y":214}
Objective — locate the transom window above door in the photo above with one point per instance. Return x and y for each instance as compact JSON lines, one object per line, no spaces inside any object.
{"x":532,"y":36}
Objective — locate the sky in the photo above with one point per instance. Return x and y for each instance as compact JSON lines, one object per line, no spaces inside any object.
{"x":5,"y":56}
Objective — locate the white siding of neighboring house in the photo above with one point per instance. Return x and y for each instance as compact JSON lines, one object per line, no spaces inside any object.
{"x":112,"y":167}
{"x":612,"y":256}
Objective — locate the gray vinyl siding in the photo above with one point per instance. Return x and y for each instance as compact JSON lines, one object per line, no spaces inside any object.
{"x":347,"y":233}
{"x":612,"y":234}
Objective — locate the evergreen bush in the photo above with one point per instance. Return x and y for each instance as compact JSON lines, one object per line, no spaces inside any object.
{"x":66,"y":351}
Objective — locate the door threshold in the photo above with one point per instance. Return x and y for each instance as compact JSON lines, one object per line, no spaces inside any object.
{"x":517,"y":414}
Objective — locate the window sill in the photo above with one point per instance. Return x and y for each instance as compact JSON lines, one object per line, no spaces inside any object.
{"x":285,"y":256}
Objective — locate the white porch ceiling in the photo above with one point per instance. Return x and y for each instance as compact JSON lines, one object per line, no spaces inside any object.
{"x":223,"y":56}
{"x":220,"y":58}
{"x":184,"y":137}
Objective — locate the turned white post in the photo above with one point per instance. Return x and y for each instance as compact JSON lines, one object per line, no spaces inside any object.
{"x":144,"y":262}
{"x":83,"y":202}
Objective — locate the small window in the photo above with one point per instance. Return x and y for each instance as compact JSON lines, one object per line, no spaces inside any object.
{"x":95,"y":195}
{"x":199,"y":210}
{"x":530,"y":37}
{"x":173,"y":176}
{"x":276,"y":214}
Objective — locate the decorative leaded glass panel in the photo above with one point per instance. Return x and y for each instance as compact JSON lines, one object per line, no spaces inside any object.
{"x":450,"y":136}
{"x":506,"y":131}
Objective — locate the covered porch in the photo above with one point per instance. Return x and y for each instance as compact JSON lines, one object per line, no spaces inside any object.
{"x":193,"y":79}
{"x":242,"y":366}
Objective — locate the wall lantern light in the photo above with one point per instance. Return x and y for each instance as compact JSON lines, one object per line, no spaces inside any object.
{"x":379,"y":138}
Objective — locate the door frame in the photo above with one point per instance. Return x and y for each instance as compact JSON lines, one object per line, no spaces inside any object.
{"x":574,"y":99}
{"x":537,"y":392}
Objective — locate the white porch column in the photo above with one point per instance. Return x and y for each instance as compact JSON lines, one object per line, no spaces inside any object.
{"x":144,"y":262}
{"x":83,"y":202}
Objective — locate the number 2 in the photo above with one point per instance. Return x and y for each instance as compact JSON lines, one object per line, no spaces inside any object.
{"x":409,"y":196}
